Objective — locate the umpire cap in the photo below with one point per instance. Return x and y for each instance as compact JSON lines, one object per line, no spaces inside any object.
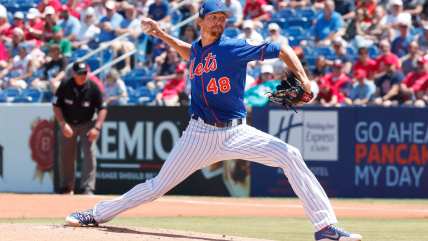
{"x":80,"y":68}
{"x":212,"y":6}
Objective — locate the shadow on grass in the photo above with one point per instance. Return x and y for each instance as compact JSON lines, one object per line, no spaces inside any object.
{"x":167,"y":235}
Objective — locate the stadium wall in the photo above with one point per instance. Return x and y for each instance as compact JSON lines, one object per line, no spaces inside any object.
{"x":26,"y":148}
{"x":354,"y":152}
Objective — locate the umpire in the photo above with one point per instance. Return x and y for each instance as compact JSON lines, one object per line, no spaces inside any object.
{"x":79,"y":108}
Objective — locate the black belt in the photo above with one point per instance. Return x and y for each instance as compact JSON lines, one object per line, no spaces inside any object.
{"x":219,"y":124}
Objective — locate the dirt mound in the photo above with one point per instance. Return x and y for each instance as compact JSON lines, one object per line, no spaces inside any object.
{"x":21,"y":232}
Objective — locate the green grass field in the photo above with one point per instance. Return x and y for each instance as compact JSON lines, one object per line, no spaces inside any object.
{"x":287,"y":229}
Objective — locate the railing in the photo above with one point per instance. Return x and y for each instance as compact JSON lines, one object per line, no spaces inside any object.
{"x":113,"y":62}
{"x":103,"y":46}
{"x":106,"y":45}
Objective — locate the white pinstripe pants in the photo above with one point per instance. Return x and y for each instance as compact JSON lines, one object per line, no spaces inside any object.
{"x":202,"y":145}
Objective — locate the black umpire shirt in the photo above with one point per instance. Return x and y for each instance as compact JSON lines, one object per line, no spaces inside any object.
{"x":78,"y":103}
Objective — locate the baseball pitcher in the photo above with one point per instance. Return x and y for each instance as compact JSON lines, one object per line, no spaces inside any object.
{"x":217,"y":129}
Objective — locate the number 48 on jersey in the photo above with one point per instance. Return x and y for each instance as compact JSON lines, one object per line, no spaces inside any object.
{"x":222,"y":85}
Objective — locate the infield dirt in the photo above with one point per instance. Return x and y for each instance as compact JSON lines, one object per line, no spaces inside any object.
{"x":22,"y":206}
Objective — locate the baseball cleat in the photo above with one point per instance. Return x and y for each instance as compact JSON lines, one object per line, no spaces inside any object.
{"x":334,"y":233}
{"x":79,"y":219}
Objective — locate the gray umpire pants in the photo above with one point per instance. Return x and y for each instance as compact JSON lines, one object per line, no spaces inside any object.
{"x":68,"y":151}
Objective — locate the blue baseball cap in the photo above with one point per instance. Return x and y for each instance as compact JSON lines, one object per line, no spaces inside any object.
{"x":212,"y":6}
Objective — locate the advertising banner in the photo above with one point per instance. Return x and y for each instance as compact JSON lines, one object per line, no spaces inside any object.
{"x":314,"y":132}
{"x":136,"y":140}
{"x":354,"y":152}
{"x":389,"y":151}
{"x":26,"y":148}
{"x":133,"y":144}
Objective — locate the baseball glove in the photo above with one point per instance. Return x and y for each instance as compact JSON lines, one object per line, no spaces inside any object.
{"x":290,"y":92}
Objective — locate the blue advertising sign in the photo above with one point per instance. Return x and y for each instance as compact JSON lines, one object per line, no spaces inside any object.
{"x":389,"y":151}
{"x":354,"y":152}
{"x":314,"y":131}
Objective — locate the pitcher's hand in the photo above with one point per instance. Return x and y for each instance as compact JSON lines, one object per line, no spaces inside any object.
{"x":150,"y":27}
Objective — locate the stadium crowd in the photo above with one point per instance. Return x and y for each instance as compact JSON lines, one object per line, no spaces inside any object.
{"x":358,"y":52}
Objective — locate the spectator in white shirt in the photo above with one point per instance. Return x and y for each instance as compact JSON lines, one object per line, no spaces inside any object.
{"x":275,"y":35}
{"x":390,"y":22}
{"x":132,"y":25}
{"x":21,"y":68}
{"x":115,"y":89}
{"x":88,"y":31}
{"x":249,"y":32}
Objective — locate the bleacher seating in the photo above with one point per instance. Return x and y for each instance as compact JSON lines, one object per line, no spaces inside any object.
{"x":20,"y":5}
{"x":308,"y":13}
{"x":296,"y":24}
{"x":283,"y":14}
{"x":132,"y":96}
{"x":351,"y":52}
{"x":2,"y":97}
{"x":145,"y":95}
{"x":32,"y":95}
{"x":294,"y":31}
{"x":137,"y":77}
{"x":298,"y":21}
{"x":9,"y":94}
{"x":29,"y":95}
{"x":94,"y":63}
{"x":325,"y":51}
{"x":373,"y":51}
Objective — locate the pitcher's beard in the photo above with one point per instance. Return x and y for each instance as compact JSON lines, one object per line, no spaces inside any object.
{"x":216,"y":34}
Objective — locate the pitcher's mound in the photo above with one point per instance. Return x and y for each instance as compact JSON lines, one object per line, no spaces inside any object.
{"x":13,"y":232}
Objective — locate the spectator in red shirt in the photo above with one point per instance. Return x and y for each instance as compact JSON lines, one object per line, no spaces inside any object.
{"x":35,"y":26}
{"x":78,"y":6}
{"x":367,"y":8}
{"x":326,"y":97}
{"x":4,"y":23}
{"x":253,"y":9}
{"x":56,"y":4}
{"x":385,"y":47}
{"x":4,"y":59}
{"x":18,"y":22}
{"x":414,"y":82}
{"x":173,"y":87}
{"x":4,"y":55}
{"x":365,"y":63}
{"x":336,"y":83}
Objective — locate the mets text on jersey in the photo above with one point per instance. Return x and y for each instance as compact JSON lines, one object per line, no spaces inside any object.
{"x":209,"y":65}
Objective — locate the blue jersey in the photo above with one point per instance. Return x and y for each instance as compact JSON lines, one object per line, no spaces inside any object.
{"x":217,"y":74}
